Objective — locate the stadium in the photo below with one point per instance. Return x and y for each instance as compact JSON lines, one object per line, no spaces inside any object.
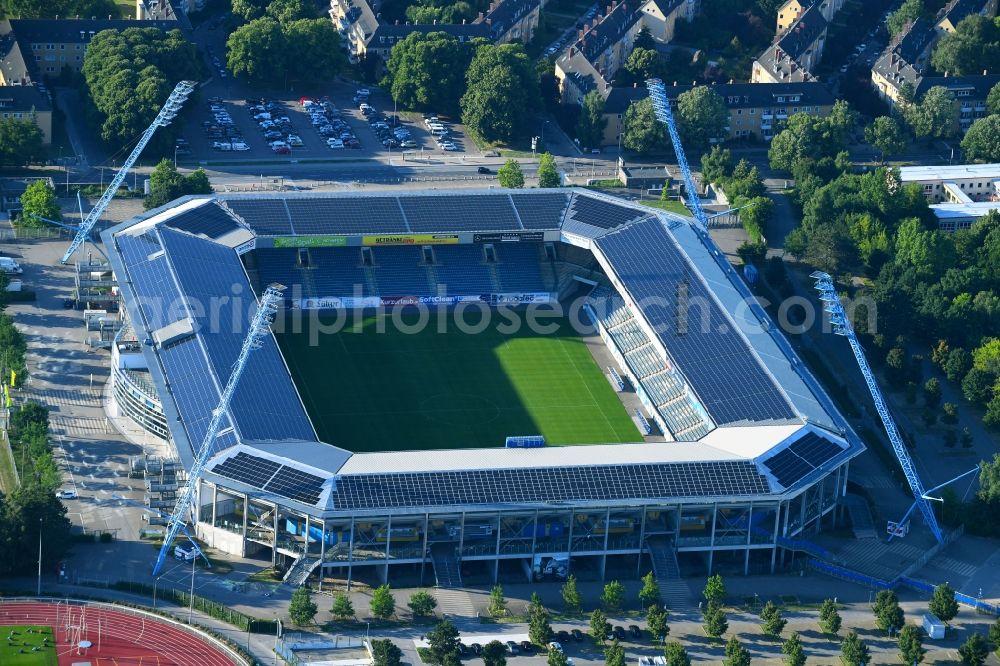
{"x":472,"y":386}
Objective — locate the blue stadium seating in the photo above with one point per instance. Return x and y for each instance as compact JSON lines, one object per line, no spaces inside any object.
{"x":399,"y":272}
{"x":461,"y":269}
{"x":338,"y":272}
{"x":518,"y":266}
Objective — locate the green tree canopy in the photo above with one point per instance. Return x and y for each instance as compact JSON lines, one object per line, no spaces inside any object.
{"x":911,"y":650}
{"x":258,"y":51}
{"x":342,"y":607}
{"x":498,"y":603}
{"x":943,"y":603}
{"x":675,"y":654}
{"x":888,"y":614}
{"x":426,"y":72}
{"x":590,"y":126}
{"x":642,"y":131}
{"x":795,"y":654}
{"x":34,"y":9}
{"x":386,"y":653}
{"x":598,"y":626}
{"x":539,"y":629}
{"x":422,"y":604}
{"x":993,"y":100}
{"x":650,"y":592}
{"x":981,"y":142}
{"x":736,"y":654}
{"x":495,"y":654}
{"x":934,"y":116}
{"x":974,"y":650}
{"x":287,"y":11}
{"x":510,"y":174}
{"x":383,"y":604}
{"x":701,"y":116}
{"x":613,"y":596}
{"x":909,"y":11}
{"x":313,"y":50}
{"x":502,"y":88}
{"x":773,"y":623}
{"x":39,"y":201}
{"x":167,"y":184}
{"x":28,"y":509}
{"x":249,"y":10}
{"x":614,"y":654}
{"x":443,"y":641}
{"x":571,"y":596}
{"x":548,"y":174}
{"x":973,"y":47}
{"x":20,"y":142}
{"x":887,"y":135}
{"x":989,"y":480}
{"x":302,"y":609}
{"x":715,"y":589}
{"x":854,"y":651}
{"x":656,"y":622}
{"x":714,"y":620}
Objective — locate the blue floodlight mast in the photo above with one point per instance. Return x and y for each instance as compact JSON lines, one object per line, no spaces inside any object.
{"x":841,"y":326}
{"x":259,"y":329}
{"x":661,"y":106}
{"x":169,"y":111}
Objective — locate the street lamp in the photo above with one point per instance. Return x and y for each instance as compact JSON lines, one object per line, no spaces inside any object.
{"x":156,"y":581}
{"x":194,"y":559}
{"x":175,"y":155}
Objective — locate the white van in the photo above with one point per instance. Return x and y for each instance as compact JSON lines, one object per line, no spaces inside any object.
{"x":8,"y":265}
{"x":934,"y":627}
{"x":185,"y":553}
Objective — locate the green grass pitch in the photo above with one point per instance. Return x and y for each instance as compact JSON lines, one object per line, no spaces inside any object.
{"x":16,"y":646}
{"x":397,"y":391}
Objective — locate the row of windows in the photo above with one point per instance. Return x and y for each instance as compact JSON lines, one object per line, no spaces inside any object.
{"x":53,"y":59}
{"x":52,"y":47}
{"x":16,"y":114}
{"x":780,"y":99}
{"x":937,"y":186}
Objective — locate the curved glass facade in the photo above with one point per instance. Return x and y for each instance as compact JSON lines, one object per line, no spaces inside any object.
{"x":136,"y":397}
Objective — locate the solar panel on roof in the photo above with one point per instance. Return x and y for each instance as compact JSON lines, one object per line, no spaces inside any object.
{"x":815,"y":450}
{"x":191,"y":386}
{"x":151,"y":280}
{"x":296,"y":484}
{"x":245,"y":468}
{"x":541,"y":211}
{"x":549,"y":484}
{"x":787,"y":467}
{"x":348,"y":215}
{"x":600,"y":213}
{"x":459,"y":213}
{"x":716,"y":360}
{"x":209,"y":219}
{"x":268,"y":217}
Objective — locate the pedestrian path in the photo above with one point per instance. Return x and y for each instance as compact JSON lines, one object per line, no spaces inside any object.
{"x":454,"y":603}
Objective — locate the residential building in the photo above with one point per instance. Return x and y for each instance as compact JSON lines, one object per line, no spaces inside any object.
{"x":365,"y":33}
{"x":903,"y":72}
{"x":164,"y":10}
{"x":602,"y":48}
{"x":755,"y":112}
{"x":28,"y":103}
{"x":791,"y":10}
{"x":960,"y":194}
{"x":951,"y":15}
{"x":959,"y":216}
{"x":795,"y":53}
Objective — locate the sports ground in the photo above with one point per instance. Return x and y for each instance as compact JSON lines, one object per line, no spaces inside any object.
{"x":400,"y":390}
{"x":27,"y":645}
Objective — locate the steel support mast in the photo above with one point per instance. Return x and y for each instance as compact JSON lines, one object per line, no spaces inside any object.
{"x":842,"y":326}
{"x":661,"y":106}
{"x":260,"y":327}
{"x":169,"y":111}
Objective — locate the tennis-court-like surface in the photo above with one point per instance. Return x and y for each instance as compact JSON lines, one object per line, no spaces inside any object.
{"x":398,"y":390}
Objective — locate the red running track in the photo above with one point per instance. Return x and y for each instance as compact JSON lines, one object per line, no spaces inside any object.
{"x":118,"y":638}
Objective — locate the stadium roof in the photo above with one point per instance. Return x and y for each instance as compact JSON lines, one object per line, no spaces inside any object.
{"x":189,"y":298}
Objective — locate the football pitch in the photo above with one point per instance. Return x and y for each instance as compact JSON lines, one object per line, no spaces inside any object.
{"x":18,"y":647}
{"x":397,"y":390}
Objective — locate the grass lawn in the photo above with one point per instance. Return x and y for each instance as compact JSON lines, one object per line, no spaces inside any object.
{"x":671,"y":206}
{"x":8,"y":480}
{"x":396,"y":390}
{"x":16,"y":645}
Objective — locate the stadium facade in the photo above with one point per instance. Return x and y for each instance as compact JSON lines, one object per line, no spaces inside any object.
{"x":753,"y":457}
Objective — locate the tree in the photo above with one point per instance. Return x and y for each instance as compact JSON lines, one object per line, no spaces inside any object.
{"x":598,"y":626}
{"x":383,"y":604}
{"x":570,"y":595}
{"x":312,"y":50}
{"x":22,"y":513}
{"x":911,"y":649}
{"x":982,"y":141}
{"x":498,"y":604}
{"x":934,"y":116}
{"x":943,"y":603}
{"x":993,"y":100}
{"x":302,"y":609}
{"x":773,"y":622}
{"x":129,"y":74}
{"x":288,"y":11}
{"x":887,"y":135}
{"x":974,"y":650}
{"x":342,"y":607}
{"x":795,"y":654}
{"x":675,"y":654}
{"x":258,"y":50}
{"x":20,"y":142}
{"x":909,"y":11}
{"x":888,"y":614}
{"x":643,"y":132}
{"x":167,"y":184}
{"x":994,"y":634}
{"x":248,"y":10}
{"x":422,"y":604}
{"x":650,"y":592}
{"x":643,"y":64}
{"x":539,"y":629}
{"x":614,"y":654}
{"x":656,"y":622}
{"x":716,"y":165}
{"x":501,"y":88}
{"x":495,"y":654}
{"x":613,"y":596}
{"x":736,"y":654}
{"x":590,"y":126}
{"x":715,"y":622}
{"x":510,"y":174}
{"x":427,"y":72}
{"x":548,"y":175}
{"x":932,"y":392}
{"x":989,"y":480}
{"x":956,"y":364}
{"x":386,"y":653}
{"x":715,"y":590}
{"x":701,"y":116}
{"x":442,"y":642}
{"x":970,"y":49}
{"x":557,"y":658}
{"x":39,"y":200}
{"x":829,"y":617}
{"x":854,"y":651}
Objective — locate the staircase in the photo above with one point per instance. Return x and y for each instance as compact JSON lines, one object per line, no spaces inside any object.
{"x":495,"y":278}
{"x":300,"y":571}
{"x":674,"y":592}
{"x":370,"y":280}
{"x":860,"y":513}
{"x":447,"y":572}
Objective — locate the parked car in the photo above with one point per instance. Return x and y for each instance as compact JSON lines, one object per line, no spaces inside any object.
{"x":527,"y":647}
{"x":66,"y":494}
{"x":555,"y":646}
{"x":511,"y":647}
{"x":562,"y":636}
{"x":240,"y":146}
{"x":618,"y":633}
{"x":476,"y":648}
{"x":577,"y":635}
{"x":295,"y":140}
{"x":634,"y":630}
{"x":483,"y":169}
{"x":335,"y":143}
{"x":282,"y":150}
{"x":222,"y":145}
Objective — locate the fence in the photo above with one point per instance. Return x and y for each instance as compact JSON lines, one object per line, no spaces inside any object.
{"x":844,"y":573}
{"x":235,"y":656}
